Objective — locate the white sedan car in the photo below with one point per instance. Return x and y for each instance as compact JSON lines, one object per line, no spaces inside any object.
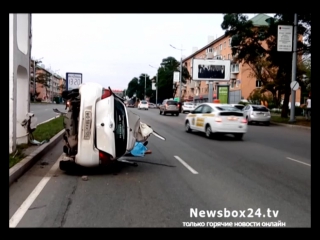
{"x":187,"y":107}
{"x":99,"y":129}
{"x":213,"y":118}
{"x":143,"y":105}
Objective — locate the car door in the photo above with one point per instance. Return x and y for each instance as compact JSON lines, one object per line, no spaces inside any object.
{"x":206,"y":116}
{"x":196,"y":114}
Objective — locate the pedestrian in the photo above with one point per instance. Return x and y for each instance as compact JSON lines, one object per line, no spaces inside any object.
{"x":308,"y":111}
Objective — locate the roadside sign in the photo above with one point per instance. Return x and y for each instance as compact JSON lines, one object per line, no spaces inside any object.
{"x":294,"y":85}
{"x":285,"y":34}
{"x":176,"y":76}
{"x":154,"y":86}
{"x":73,"y":80}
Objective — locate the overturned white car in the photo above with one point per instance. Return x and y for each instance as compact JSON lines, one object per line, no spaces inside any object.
{"x":99,"y":129}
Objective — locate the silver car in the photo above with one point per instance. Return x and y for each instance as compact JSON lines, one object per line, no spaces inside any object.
{"x":257,"y":114}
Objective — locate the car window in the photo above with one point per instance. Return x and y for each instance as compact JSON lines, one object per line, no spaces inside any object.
{"x":172,"y":103}
{"x":198,"y":109}
{"x":206,"y":109}
{"x":260,"y":109}
{"x":188,"y":103}
{"x":144,"y":102}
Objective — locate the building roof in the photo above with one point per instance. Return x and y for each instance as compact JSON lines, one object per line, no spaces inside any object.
{"x":258,"y":20}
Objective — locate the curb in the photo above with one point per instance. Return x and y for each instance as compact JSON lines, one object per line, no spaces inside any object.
{"x":25,"y":164}
{"x":291,"y":125}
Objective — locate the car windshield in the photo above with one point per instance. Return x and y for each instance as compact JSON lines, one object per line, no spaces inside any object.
{"x":143,"y":102}
{"x":260,"y":109}
{"x":240,"y":107}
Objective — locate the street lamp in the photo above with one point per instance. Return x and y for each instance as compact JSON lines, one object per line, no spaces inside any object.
{"x":156,"y":84}
{"x":180,"y":80}
{"x":35,"y":62}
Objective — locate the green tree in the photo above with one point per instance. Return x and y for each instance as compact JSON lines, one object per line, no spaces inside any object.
{"x":166,"y":87}
{"x":247,"y":45}
{"x":137,"y":86}
{"x":43,"y":78}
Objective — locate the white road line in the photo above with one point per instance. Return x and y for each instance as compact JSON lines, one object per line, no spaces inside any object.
{"x":186,"y":165}
{"x":18,"y":215}
{"x":299,"y":161}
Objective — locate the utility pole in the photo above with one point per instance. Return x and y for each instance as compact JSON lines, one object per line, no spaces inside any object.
{"x":180,"y":80}
{"x":294,"y":68}
{"x":145,"y":86}
{"x":156,"y":84}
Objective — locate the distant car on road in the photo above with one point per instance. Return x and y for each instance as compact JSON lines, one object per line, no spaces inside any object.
{"x":257,"y":114}
{"x":152,"y":105}
{"x":143,"y":105}
{"x":187,"y":107}
{"x":213,"y":118}
{"x":169,"y":106}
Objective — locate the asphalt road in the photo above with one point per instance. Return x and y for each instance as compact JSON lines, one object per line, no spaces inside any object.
{"x":269,"y":169}
{"x":44,"y":111}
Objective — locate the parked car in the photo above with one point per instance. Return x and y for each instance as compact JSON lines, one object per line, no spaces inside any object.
{"x":187,"y":107}
{"x":257,"y":114}
{"x":169,"y":106}
{"x":98,"y":127}
{"x":143,"y":105}
{"x":212,"y":118}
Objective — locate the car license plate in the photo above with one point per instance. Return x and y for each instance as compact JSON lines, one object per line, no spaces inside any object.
{"x":87,"y":125}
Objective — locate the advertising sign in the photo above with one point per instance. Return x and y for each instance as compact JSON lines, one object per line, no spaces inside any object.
{"x":223,"y":93}
{"x":211,"y":70}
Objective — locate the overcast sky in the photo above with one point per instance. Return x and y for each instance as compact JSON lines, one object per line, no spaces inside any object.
{"x":111,"y":49}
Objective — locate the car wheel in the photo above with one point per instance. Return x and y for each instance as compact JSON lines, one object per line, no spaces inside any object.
{"x":208,"y":131}
{"x":164,"y":113}
{"x":248,"y":120}
{"x":187,"y":127}
{"x":238,"y":136}
{"x":267,"y":123}
{"x":177,"y":114}
{"x":160,"y":112}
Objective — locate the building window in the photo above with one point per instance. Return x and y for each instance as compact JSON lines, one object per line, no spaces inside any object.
{"x":230,"y":39}
{"x":237,"y":83}
{"x":258,"y":83}
{"x":232,"y":83}
{"x":209,"y":50}
{"x":224,"y":45}
{"x":220,"y":46}
{"x":235,"y":68}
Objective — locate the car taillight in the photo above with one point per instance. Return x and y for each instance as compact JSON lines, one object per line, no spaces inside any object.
{"x":244,"y":120}
{"x":218,"y":120}
{"x":106,"y":93}
{"x":178,"y":105}
{"x":104,"y":157}
{"x":166,"y":105}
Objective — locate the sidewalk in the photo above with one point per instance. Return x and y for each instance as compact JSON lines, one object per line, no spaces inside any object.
{"x":301,"y":122}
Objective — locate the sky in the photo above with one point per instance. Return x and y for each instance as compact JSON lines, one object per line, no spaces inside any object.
{"x":112,"y":49}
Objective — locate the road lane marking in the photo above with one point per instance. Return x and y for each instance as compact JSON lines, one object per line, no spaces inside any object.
{"x":21,"y":211}
{"x":186,"y":165}
{"x":299,"y":161}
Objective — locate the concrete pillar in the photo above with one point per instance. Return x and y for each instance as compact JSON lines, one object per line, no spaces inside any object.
{"x":19,"y":77}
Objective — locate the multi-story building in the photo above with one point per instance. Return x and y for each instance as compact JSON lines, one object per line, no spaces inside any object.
{"x":55,"y":83}
{"x":241,"y":82}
